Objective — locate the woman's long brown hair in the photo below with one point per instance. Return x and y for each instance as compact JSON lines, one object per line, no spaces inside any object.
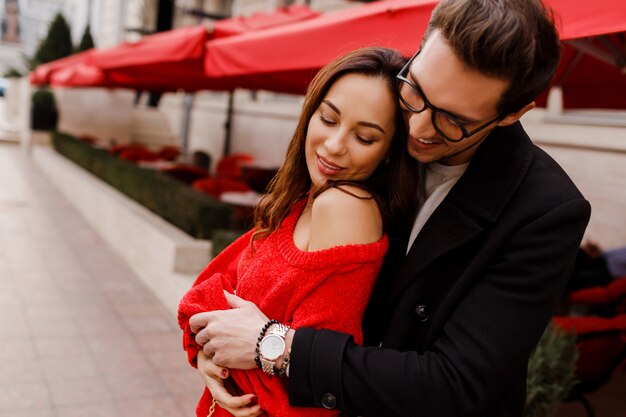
{"x":394,"y":184}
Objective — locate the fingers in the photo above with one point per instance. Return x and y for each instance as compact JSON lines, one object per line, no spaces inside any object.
{"x":202,"y":337}
{"x":225,"y":399}
{"x":215,"y":371}
{"x":198,"y":321}
{"x":233,"y":300}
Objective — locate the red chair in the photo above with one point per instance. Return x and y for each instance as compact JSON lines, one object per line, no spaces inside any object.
{"x":601,"y":344}
{"x":606,"y":300}
{"x":216,"y":186}
{"x":169,"y":153}
{"x":230,"y":166}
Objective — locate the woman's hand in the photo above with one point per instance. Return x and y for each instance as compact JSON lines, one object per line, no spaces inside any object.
{"x":216,"y":378}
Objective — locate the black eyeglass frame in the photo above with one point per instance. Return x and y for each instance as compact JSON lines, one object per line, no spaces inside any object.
{"x":435,"y":110}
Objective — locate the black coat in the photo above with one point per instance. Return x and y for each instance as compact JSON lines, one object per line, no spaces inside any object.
{"x":459,"y":315}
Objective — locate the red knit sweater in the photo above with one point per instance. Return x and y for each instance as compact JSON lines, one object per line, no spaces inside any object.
{"x":327,"y":288}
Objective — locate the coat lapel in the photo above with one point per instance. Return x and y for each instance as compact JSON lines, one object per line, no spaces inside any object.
{"x":473,"y":204}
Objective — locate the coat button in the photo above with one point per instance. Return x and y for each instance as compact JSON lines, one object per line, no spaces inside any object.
{"x":329,"y":401}
{"x":421,"y":313}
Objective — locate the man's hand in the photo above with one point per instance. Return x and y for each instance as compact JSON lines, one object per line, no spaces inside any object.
{"x":214,"y":378}
{"x":229,"y":336}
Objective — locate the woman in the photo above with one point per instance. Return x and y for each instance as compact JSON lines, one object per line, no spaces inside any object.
{"x":319,"y":238}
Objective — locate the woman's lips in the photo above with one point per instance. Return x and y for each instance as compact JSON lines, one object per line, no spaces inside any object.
{"x":328,"y":168}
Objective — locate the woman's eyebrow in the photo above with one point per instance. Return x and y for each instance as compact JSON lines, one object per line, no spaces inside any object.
{"x":366,"y":124}
{"x":332,"y":106}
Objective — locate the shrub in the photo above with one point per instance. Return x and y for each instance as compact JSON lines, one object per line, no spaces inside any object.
{"x":57,"y":43}
{"x":197,"y":214}
{"x":44,"y":114}
{"x":551,"y":371}
{"x":12,"y":73}
{"x":86,"y":41}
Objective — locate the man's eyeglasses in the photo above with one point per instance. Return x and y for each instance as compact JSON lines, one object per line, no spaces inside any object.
{"x":445,"y":124}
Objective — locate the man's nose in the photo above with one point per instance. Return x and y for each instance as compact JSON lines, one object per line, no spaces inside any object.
{"x":420,"y":125}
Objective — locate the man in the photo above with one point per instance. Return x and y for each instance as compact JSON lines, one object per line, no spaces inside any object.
{"x":467,"y":292}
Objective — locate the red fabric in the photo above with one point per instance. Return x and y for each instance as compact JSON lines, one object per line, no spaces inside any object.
{"x":169,"y":153}
{"x":217,"y":186}
{"x":327,"y":288}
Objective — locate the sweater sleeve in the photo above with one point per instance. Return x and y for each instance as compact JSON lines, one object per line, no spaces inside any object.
{"x":206,"y":293}
{"x":336,"y":303}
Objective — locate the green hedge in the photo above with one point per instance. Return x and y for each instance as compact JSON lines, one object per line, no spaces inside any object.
{"x":551,"y":372}
{"x":196,"y":213}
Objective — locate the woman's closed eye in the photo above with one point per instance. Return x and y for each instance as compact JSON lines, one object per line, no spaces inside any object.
{"x":327,"y":120}
{"x":364,"y":140}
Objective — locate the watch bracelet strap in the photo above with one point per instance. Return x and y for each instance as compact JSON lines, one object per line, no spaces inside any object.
{"x":268,"y":366}
{"x":257,"y":357}
{"x":282,"y":371}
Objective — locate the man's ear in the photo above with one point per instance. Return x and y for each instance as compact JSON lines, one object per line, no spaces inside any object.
{"x":514,"y":117}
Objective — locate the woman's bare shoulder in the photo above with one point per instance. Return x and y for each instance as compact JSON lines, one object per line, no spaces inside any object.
{"x":344,"y":216}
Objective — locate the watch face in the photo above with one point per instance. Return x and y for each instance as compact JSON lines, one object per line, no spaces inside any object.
{"x":272,"y":347}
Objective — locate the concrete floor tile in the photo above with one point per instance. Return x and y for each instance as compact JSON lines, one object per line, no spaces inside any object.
{"x":59,"y":328}
{"x":101,"y":326}
{"x":124,"y":364}
{"x":151,"y":407}
{"x":50,"y":312}
{"x":181,"y":382}
{"x":141,"y":309}
{"x":168,"y":359}
{"x":22,"y":396}
{"x":97,"y":409}
{"x":136,"y":386}
{"x":16,"y":349}
{"x":111,"y":345}
{"x":60,"y":347}
{"x":20,"y":371}
{"x":188,"y":401}
{"x":32,"y":412}
{"x":147,"y":324}
{"x":79,"y":391}
{"x":69,"y":367}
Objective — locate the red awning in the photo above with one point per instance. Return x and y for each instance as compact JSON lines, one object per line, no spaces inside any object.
{"x":261,"y":21}
{"x":41,"y":74}
{"x":168,"y":61}
{"x":286,"y":59}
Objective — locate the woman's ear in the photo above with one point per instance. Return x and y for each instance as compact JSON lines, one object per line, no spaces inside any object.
{"x":514,"y":117}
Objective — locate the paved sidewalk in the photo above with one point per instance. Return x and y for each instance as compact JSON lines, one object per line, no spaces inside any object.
{"x":80,"y":335}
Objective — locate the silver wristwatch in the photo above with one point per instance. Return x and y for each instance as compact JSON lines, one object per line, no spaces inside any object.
{"x":272,"y":347}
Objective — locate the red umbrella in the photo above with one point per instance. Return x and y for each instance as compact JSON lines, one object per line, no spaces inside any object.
{"x":592,"y":72}
{"x":286,"y":59}
{"x":41,"y":74}
{"x":172,"y":60}
{"x":262,"y":21}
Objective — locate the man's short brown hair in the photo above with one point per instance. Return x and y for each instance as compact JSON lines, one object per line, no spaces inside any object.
{"x":513,"y":40}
